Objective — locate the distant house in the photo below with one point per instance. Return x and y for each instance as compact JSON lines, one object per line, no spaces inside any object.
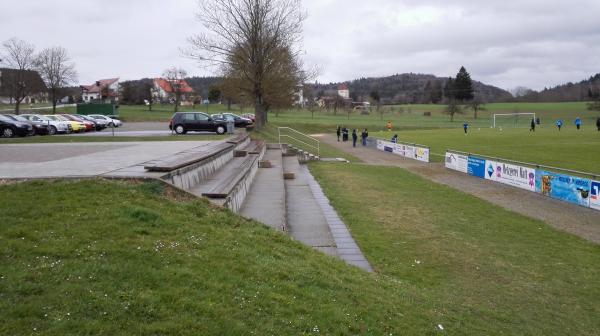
{"x":35,"y":87}
{"x":343,"y":91}
{"x":164,"y":90}
{"x":101,"y":90}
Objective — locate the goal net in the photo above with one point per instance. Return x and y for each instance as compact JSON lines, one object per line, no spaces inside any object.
{"x":512,"y":120}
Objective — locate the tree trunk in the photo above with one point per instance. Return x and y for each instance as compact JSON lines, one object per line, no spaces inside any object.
{"x":259,"y":113}
{"x":53,"y":97}
{"x":17,"y":106}
{"x":475,"y":113}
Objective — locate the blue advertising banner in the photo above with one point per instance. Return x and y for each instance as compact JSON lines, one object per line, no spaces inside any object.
{"x":476,"y":167}
{"x":563,"y":187}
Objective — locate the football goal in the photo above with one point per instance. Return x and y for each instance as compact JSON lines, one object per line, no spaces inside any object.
{"x":512,"y":119}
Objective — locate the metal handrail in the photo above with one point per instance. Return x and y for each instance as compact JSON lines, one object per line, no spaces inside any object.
{"x":526,"y":163}
{"x":318,"y":143}
{"x":405,"y":143}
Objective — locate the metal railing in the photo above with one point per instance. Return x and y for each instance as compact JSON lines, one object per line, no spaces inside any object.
{"x":529,"y":164}
{"x":308,"y":141}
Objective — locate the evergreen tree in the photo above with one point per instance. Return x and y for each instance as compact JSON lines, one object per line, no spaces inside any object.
{"x":463,"y":86}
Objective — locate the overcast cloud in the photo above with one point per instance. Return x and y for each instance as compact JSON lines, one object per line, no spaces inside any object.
{"x":506,"y":43}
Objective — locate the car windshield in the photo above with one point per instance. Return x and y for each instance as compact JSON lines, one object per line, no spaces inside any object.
{"x":44,"y":118}
{"x":19,"y":118}
{"x":52,"y":117}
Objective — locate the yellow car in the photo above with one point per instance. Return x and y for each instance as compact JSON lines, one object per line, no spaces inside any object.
{"x":76,"y":126}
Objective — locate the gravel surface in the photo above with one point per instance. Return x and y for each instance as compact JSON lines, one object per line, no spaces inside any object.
{"x":571,"y":218}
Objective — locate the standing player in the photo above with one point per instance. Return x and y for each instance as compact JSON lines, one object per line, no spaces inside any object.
{"x":598,"y":123}
{"x":465,"y":127}
{"x":559,"y":124}
{"x":532,"y":128}
{"x":578,"y":123}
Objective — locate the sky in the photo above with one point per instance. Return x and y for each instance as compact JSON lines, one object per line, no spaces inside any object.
{"x":508,"y":43}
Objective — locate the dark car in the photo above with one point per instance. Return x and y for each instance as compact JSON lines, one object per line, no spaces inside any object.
{"x":10,"y":128}
{"x":183,"y":122}
{"x":249,"y":116}
{"x":238,"y":121}
{"x":38,"y":128}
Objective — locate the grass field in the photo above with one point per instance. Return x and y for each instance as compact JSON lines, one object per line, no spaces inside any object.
{"x":480,"y":269}
{"x":569,"y":148}
{"x":84,"y":261}
{"x":111,"y":258}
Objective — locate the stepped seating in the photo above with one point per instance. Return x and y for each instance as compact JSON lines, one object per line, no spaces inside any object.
{"x":188,"y":157}
{"x":228,"y":185}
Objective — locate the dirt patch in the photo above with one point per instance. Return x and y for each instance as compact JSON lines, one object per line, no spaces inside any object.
{"x":571,"y":218}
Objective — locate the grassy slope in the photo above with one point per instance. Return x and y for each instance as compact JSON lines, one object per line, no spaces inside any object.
{"x":98,"y":257}
{"x":481,"y":269}
{"x":579,"y":150}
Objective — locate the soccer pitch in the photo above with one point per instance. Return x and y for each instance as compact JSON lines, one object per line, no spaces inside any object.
{"x":569,"y":148}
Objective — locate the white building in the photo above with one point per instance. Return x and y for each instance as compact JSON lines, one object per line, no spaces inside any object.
{"x":343,"y":91}
{"x":104,"y":89}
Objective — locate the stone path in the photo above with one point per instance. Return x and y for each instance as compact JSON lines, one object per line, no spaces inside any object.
{"x":347,"y":249}
{"x":571,"y":218}
{"x":265,"y":200}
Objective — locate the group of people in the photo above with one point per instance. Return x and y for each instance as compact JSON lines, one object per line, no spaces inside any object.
{"x":578,"y":123}
{"x":344,"y":133}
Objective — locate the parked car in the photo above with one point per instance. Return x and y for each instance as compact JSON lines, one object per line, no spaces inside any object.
{"x":56,"y":126}
{"x":99,"y":124}
{"x":38,"y":128}
{"x":112,"y":122}
{"x":250,"y":116}
{"x":89,"y":126}
{"x":76,"y":126}
{"x":239,"y":121}
{"x":183,"y":122}
{"x":10,"y":128}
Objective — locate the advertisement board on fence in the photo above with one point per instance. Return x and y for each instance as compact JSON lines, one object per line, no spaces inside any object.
{"x":595,"y":195}
{"x":412,"y":152}
{"x":476,"y":167}
{"x":457,"y":162}
{"x":563,"y":187}
{"x":516,"y":176}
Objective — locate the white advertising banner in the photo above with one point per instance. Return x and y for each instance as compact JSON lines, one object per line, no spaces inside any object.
{"x":412,"y":152}
{"x":516,"y":176}
{"x":595,"y":195}
{"x":457,"y":162}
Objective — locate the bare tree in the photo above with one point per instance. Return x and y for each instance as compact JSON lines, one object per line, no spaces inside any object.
{"x":57,"y":71}
{"x":251,"y":40}
{"x":175,"y":77}
{"x":477,"y":104}
{"x":19,"y":56}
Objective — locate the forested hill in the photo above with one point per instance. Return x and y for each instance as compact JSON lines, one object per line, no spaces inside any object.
{"x":409,"y":88}
{"x":582,"y":91}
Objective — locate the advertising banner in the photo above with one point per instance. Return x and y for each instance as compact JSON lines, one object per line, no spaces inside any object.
{"x":563,"y":187}
{"x":457,"y":162}
{"x":595,"y":195}
{"x":516,"y":176}
{"x":476,"y":167}
{"x":412,"y":152}
{"x":422,"y":154}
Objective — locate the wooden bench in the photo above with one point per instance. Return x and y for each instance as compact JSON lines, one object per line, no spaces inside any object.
{"x":188,"y":157}
{"x":238,"y":139}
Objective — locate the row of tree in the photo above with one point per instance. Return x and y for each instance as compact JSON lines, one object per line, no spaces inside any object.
{"x":53,"y":64}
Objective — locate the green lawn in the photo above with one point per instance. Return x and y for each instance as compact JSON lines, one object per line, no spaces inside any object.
{"x":67,"y":138}
{"x":480,"y":269}
{"x":569,"y":148}
{"x":111,"y":258}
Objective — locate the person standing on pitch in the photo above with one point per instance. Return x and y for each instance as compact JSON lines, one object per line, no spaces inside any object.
{"x":364,"y":137}
{"x":395,"y":138}
{"x":578,"y":123}
{"x":354,"y":137}
{"x":389,"y":126}
{"x":559,"y":124}
{"x":598,"y":123}
{"x":465,"y":127}
{"x":532,"y":129}
{"x":338,"y":131}
{"x":344,"y":134}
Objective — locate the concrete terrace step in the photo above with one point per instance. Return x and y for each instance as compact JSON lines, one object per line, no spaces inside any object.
{"x":229,"y":185}
{"x":188,"y":157}
{"x":265,"y":201}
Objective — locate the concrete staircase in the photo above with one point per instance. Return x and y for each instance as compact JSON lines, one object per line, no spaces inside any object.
{"x":269,"y":183}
